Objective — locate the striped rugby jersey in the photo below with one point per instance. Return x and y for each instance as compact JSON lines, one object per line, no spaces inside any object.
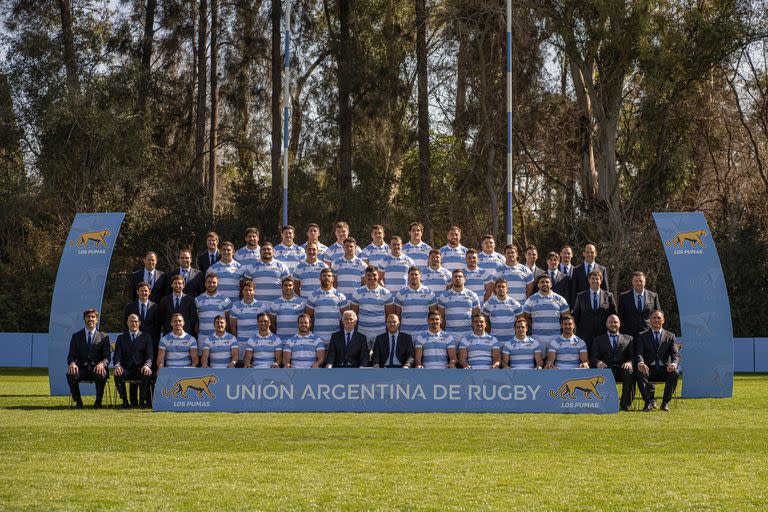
{"x":371,"y":302}
{"x":326,"y":305}
{"x":286,"y":312}
{"x":266,"y":350}
{"x":220,"y":349}
{"x":415,"y":305}
{"x":177,"y":349}
{"x":434,"y":348}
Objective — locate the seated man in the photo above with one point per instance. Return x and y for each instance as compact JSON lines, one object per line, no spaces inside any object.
{"x":567,"y":351}
{"x":219,"y":348}
{"x":178,"y":348}
{"x":394,"y":348}
{"x":133,"y":361}
{"x":656,"y":358}
{"x":348,"y":348}
{"x":522,"y":352}
{"x":263,"y":349}
{"x":479,"y":350}
{"x":617,"y":352}
{"x":435,"y":348}
{"x":88,"y":359}
{"x":305,"y":349}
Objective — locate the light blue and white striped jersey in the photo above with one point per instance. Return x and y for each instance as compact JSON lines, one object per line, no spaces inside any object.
{"x":264,"y":349}
{"x":419,"y":253}
{"x":502,"y":314}
{"x":246,"y":256}
{"x":395,"y":270}
{"x":308,"y":274}
{"x":545,"y":314}
{"x":434,"y":348}
{"x":349,"y":274}
{"x":247,"y":322}
{"x":321,"y":248}
{"x":326,"y":305}
{"x":521,"y":352}
{"x":336,"y":251}
{"x":290,"y":256}
{"x":491,"y":261}
{"x":177,"y":349}
{"x":436,"y":279}
{"x":454,"y":258}
{"x":458,"y":310}
{"x":303,"y":349}
{"x":220,"y":349}
{"x":371,"y":317}
{"x":287,"y":313}
{"x":267,"y":276}
{"x":568,"y":351}
{"x":208,"y":308}
{"x":415,"y":306}
{"x":480,"y":350}
{"x":475,"y":280}
{"x":373,"y":254}
{"x":518,"y":277}
{"x":229,"y":275}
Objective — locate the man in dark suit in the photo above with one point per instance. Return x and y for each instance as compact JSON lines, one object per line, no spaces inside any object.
{"x":592,"y":308}
{"x":177,"y":302}
{"x":394,"y":338}
{"x":636,"y":305}
{"x":348,"y":348}
{"x":580,"y":278}
{"x":150,"y":275}
{"x":88,"y":359}
{"x":133,"y":361}
{"x":615,"y":351}
{"x":193,"y":279}
{"x":531,"y":255}
{"x":656,"y":359}
{"x":211,"y":254}
{"x":560,"y":281}
{"x":145,"y":309}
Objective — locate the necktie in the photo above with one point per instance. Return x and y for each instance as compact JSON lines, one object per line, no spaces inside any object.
{"x":392,"y":351}
{"x":552,"y":276}
{"x":89,"y":339}
{"x":143,"y":311}
{"x":150,"y":275}
{"x":589,"y":268}
{"x":213,"y":257}
{"x":655,"y":348}
{"x":184,"y":275}
{"x":594,"y":301}
{"x":177,"y":303}
{"x":613,"y":343}
{"x":133,"y":338}
{"x":348,"y":336}
{"x":639,"y":303}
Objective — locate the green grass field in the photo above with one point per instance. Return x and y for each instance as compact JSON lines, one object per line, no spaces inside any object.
{"x":704,"y":455}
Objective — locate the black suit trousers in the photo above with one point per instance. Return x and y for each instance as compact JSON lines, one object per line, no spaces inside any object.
{"x":86,"y":374}
{"x":657,"y":374}
{"x":627,"y":384}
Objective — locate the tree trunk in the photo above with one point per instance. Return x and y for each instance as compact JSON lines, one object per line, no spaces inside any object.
{"x":68,"y":41}
{"x":202,"y":85}
{"x":425,"y":191}
{"x":589,"y":179}
{"x":344,"y":79}
{"x":462,"y":67}
{"x":245,"y":12}
{"x":276,"y":92}
{"x":297,"y":113}
{"x":212,"y":160}
{"x":146,"y":57}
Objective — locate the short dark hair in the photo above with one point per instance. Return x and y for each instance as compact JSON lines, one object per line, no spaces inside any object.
{"x":89,"y":311}
{"x":143,"y":283}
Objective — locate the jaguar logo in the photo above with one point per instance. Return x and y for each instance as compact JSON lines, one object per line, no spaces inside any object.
{"x":587,"y":386}
{"x":97,"y":237}
{"x":694,"y":237}
{"x":199,"y":385}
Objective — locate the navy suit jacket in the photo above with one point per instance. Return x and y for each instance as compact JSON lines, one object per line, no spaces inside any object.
{"x":580,"y":279}
{"x":667,"y":352}
{"x":602,"y":350}
{"x":633,"y":322}
{"x":203,"y":261}
{"x":339,"y":355}
{"x":80,"y":354}
{"x":155,"y":293}
{"x":187,"y":308}
{"x":135,"y":354}
{"x":194,"y":287}
{"x":404,"y":350}
{"x":591,"y":322}
{"x":151,"y":322}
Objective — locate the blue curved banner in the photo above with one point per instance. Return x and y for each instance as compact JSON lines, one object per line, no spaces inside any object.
{"x":702,"y":299}
{"x":79,"y":285}
{"x":391,"y":390}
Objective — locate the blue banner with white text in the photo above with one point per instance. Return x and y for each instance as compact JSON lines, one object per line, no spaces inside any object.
{"x":380,"y":390}
{"x":702,"y":299}
{"x":79,"y":285}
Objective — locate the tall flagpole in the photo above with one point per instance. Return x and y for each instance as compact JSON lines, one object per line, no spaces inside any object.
{"x":286,"y":105}
{"x":510,"y":200}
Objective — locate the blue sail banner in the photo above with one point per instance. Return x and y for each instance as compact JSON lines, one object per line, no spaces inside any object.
{"x":380,"y":390}
{"x":79,"y":285}
{"x":702,"y":299}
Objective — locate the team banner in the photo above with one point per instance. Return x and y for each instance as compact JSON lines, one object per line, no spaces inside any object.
{"x":702,"y":299}
{"x":79,"y":285}
{"x":390,"y":390}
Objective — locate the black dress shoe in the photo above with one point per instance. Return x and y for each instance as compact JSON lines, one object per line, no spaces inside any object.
{"x":665,"y":406}
{"x":125,"y":405}
{"x":97,"y":405}
{"x":648,"y":408}
{"x":78,"y":405}
{"x":624,"y":408}
{"x":653,"y":404}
